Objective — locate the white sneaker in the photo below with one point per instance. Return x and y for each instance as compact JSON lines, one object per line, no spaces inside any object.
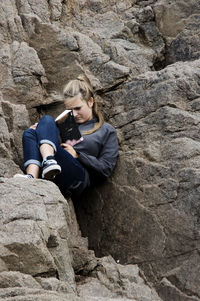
{"x":18,"y":175}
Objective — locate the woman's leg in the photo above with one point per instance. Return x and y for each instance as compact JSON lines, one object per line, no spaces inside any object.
{"x":39,"y":146}
{"x":32,"y":156}
{"x":74,"y":176}
{"x":48,"y":140}
{"x":46,"y":150}
{"x":47,"y":133}
{"x":34,"y":170}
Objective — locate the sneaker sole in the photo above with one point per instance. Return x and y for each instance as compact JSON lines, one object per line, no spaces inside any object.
{"x":50,"y":172}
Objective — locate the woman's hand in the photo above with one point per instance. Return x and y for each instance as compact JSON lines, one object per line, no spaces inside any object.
{"x":70,"y":149}
{"x":34,"y":126}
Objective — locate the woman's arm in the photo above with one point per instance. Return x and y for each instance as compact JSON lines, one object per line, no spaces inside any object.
{"x":69,"y":149}
{"x":107,"y":158}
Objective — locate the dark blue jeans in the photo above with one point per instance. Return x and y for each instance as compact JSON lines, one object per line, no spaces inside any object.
{"x":73,"y":175}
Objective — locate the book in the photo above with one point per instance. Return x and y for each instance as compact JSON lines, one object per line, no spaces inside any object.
{"x":69,"y":131}
{"x":62,"y":116}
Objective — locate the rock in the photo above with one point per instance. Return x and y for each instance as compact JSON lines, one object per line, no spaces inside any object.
{"x":27,"y":224}
{"x":150,"y":218}
{"x":53,"y":284}
{"x":41,"y":10}
{"x":90,"y":51}
{"x":64,"y":55}
{"x":83,"y":261}
{"x":131,"y":55}
{"x":35,"y":255}
{"x":8,"y":168}
{"x":5,"y":139}
{"x":179,"y":24}
{"x":185,"y":47}
{"x":56,"y":7}
{"x":176,"y":15}
{"x":166,"y":290}
{"x":113,"y":280}
{"x":148,"y":212}
{"x":181,"y":279}
{"x":22,"y":74}
{"x":28,"y":221}
{"x":93,"y":288}
{"x":11,"y":24}
{"x":17,"y":279}
{"x":12,"y":125}
{"x":25,"y":294}
{"x":16,"y":125}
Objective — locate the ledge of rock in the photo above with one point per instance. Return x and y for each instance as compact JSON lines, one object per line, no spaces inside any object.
{"x":41,"y":247}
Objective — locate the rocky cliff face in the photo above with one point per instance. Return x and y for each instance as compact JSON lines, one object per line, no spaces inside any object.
{"x":142,"y":58}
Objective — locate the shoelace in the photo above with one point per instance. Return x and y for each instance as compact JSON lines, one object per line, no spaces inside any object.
{"x":49,"y":161}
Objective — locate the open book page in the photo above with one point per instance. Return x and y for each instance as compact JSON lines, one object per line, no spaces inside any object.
{"x":69,"y":131}
{"x":62,"y":116}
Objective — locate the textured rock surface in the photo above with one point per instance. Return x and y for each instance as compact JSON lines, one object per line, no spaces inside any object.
{"x":33,"y":222}
{"x":39,"y":244}
{"x":142,"y":58}
{"x":179,"y":23}
{"x":152,"y":216}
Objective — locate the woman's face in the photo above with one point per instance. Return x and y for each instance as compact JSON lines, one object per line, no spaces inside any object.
{"x":82,"y":110}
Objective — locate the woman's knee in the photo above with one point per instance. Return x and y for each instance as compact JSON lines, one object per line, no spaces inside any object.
{"x":47,"y":119}
{"x":28,"y":133}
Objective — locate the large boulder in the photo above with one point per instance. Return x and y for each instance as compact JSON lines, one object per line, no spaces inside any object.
{"x":40,"y":242}
{"x":34,"y":241}
{"x":148,"y":212}
{"x":34,"y":231}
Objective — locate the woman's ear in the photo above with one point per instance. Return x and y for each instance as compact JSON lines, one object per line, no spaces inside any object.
{"x":91,"y":102}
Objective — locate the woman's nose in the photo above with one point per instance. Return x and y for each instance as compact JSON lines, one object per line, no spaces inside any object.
{"x":74,"y":113}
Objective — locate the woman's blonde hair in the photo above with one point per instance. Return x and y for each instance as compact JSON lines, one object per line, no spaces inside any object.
{"x":81,"y":85}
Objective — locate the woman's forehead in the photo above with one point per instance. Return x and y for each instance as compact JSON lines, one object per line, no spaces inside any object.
{"x":73,"y":102}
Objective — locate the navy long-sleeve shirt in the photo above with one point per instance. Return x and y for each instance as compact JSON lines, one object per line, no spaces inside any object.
{"x":98,"y":151}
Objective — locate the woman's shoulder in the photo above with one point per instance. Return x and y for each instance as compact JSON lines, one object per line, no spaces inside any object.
{"x":108,"y":127}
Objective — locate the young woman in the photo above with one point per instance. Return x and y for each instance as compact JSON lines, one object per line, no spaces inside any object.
{"x":72,"y":168}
